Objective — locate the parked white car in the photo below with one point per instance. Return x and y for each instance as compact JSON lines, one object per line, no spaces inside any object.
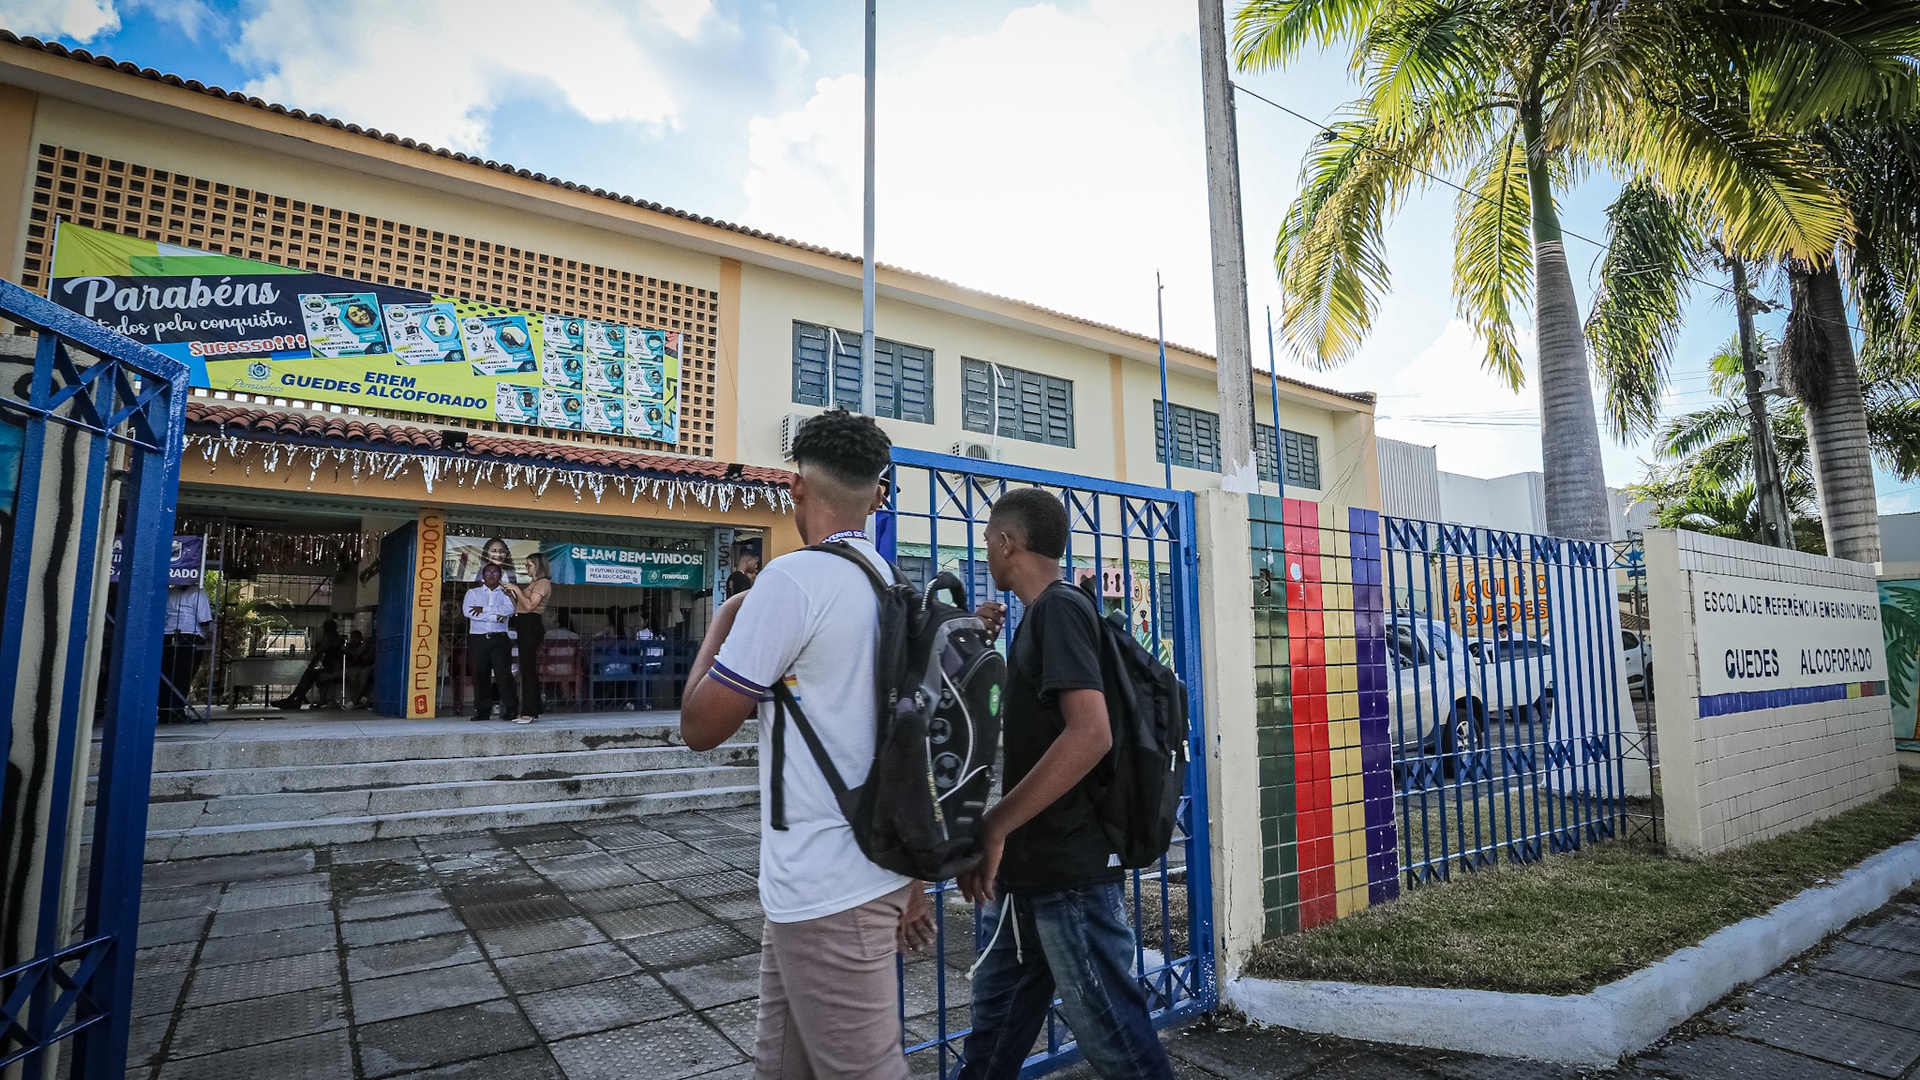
{"x":1638,"y":652}
{"x":1516,"y":675}
{"x":1435,"y":703}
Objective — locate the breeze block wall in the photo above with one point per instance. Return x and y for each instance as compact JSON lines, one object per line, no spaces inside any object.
{"x":1772,"y":706}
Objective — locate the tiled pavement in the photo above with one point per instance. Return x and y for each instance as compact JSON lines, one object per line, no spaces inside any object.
{"x":627,"y":950}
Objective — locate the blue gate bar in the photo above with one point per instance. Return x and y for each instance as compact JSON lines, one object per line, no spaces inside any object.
{"x":124,"y":399}
{"x":941,"y":502}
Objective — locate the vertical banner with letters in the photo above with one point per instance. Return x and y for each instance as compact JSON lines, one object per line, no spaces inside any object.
{"x":423,"y":649}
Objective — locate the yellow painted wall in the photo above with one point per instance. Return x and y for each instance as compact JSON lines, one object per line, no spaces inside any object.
{"x":764,"y":287}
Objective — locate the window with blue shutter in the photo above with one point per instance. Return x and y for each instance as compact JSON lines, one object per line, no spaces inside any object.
{"x":1302,"y":453}
{"x":824,"y":358}
{"x":1196,"y":437}
{"x":1029,"y":405}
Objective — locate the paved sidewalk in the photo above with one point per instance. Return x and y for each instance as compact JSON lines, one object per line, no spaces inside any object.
{"x":625,"y":949}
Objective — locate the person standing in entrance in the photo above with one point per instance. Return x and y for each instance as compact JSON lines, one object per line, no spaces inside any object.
{"x":189,"y":629}
{"x":488,"y":607}
{"x":828,"y":993}
{"x":1060,"y":924}
{"x":529,"y":628}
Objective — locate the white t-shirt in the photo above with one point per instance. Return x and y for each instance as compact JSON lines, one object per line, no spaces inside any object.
{"x":811,"y":618}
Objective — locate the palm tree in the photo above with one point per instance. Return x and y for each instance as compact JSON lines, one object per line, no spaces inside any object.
{"x":1658,"y":249}
{"x":1518,"y":98}
{"x":1706,"y":482}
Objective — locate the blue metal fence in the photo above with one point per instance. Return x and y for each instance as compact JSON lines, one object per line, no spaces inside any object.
{"x":93,"y":425}
{"x":1140,"y":541}
{"x":1508,"y":707}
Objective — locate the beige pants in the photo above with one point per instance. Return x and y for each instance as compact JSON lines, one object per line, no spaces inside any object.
{"x":829,"y":996}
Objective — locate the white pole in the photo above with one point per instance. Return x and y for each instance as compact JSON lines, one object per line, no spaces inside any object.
{"x":866,"y":248}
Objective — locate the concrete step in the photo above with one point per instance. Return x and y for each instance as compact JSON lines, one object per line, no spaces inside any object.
{"x":386,"y":800}
{"x":232,"y":789}
{"x":193,"y":784}
{"x":188,"y":843}
{"x":184,"y":752}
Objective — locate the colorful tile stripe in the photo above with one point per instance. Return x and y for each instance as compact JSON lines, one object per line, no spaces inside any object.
{"x":1755,"y":700}
{"x":1328,"y":829}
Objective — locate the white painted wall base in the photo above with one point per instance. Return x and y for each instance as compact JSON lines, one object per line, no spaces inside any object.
{"x":1620,"y":1018}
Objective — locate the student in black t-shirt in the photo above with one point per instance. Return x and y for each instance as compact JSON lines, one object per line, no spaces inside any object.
{"x":1060,"y":926}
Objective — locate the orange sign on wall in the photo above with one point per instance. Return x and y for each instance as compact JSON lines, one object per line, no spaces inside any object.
{"x":1514,"y":600}
{"x":423,"y":648}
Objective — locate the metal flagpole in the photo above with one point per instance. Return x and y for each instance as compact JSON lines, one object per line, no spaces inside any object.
{"x":866,"y":247}
{"x":1273,"y":384}
{"x":1166,"y":407}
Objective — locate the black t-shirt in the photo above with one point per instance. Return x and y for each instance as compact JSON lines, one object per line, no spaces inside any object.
{"x":1056,"y":649}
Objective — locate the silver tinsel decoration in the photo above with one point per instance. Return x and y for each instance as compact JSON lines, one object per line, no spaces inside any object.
{"x":461,"y":471}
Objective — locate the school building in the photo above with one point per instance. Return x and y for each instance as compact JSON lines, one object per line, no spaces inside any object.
{"x":359,"y":498}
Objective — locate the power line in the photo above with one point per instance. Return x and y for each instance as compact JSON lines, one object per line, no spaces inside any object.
{"x":1329,"y":133}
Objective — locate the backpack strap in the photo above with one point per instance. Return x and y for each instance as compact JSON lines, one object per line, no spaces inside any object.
{"x":784,"y":703}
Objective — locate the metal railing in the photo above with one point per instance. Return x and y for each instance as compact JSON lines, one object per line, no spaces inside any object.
{"x":1141,"y":540}
{"x":95,"y":424}
{"x":1508,"y":709}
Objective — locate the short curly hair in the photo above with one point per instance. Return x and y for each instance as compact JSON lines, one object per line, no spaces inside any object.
{"x":850,"y":448}
{"x":1038,"y":516}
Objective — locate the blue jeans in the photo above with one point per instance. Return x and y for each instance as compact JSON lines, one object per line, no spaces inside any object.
{"x":1075,"y":942}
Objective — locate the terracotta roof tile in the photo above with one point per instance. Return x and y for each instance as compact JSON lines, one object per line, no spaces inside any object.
{"x":54,"y":48}
{"x":333,"y":429}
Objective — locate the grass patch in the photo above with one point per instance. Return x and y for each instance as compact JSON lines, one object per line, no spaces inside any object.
{"x":1570,"y":923}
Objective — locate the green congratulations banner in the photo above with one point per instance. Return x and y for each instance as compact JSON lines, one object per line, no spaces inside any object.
{"x":258,"y":328}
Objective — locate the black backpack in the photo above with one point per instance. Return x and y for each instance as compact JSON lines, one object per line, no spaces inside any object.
{"x":1136,"y":788}
{"x":937,"y":685}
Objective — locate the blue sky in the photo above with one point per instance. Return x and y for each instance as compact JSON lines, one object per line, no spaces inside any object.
{"x":1048,"y":151}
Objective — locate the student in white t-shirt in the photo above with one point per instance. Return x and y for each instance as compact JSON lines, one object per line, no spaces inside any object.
{"x":828,"y":991}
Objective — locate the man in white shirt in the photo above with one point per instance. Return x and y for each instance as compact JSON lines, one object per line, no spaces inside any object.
{"x":828,"y":991}
{"x":189,"y":629}
{"x":488,"y":608}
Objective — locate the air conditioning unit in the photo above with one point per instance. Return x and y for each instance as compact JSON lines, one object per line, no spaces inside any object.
{"x":978,"y":451}
{"x":790,"y":430}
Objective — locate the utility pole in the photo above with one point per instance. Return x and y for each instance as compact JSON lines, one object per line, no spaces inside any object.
{"x":1767,"y":487}
{"x":1233,"y":338}
{"x":866,"y":243}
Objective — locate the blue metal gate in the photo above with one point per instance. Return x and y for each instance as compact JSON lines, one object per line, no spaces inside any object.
{"x":1139,"y":541}
{"x":1508,"y":708}
{"x":90,"y":435}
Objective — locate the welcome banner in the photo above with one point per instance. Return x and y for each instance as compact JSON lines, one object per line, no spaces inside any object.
{"x":593,"y":564}
{"x":258,"y":328}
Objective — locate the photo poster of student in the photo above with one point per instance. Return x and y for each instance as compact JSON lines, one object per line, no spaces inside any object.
{"x":424,"y":333}
{"x":562,"y":351}
{"x":653,"y":381}
{"x":464,"y":555}
{"x":255,"y":327}
{"x":343,"y":324}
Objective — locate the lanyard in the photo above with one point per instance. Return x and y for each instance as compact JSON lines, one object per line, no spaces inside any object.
{"x":849,"y":534}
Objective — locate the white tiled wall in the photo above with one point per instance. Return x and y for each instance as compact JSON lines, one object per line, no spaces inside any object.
{"x":1730,"y":780}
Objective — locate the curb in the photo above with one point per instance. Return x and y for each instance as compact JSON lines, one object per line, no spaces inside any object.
{"x":1596,"y":1028}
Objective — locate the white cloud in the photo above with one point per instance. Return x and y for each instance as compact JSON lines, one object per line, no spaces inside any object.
{"x":191,"y":16}
{"x":1448,"y":384}
{"x":1056,"y":158}
{"x":436,"y":70}
{"x":68,"y":20}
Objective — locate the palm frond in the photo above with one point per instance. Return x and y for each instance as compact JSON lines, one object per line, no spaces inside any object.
{"x":1493,"y":253}
{"x":1764,"y":191}
{"x":1271,"y":33}
{"x":1808,"y":61}
{"x":1416,"y":55}
{"x":1652,"y":247}
{"x":1331,"y":249}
